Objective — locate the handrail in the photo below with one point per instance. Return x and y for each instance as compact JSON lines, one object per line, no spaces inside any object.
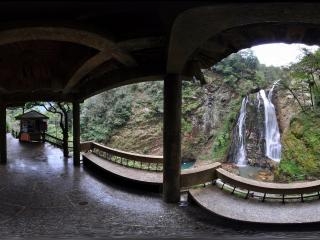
{"x":56,"y":141}
{"x":85,"y":146}
{"x":267,"y":187}
{"x":134,"y":160}
{"x":188,"y":178}
{"x":128,"y":155}
{"x":48,"y":138}
{"x":200,"y":175}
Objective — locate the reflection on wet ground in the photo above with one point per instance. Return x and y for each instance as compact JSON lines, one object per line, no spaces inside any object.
{"x":43,"y":195}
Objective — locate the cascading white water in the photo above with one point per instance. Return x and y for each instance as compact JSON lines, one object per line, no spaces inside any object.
{"x":272,"y":134}
{"x":241,"y":153}
{"x":269,"y":131}
{"x":258,"y":99}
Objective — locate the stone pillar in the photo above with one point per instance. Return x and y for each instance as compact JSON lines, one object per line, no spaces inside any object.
{"x":3,"y":134}
{"x":76,"y":133}
{"x":172,"y":138}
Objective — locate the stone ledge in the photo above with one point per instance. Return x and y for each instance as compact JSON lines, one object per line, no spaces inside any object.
{"x":199,"y":175}
{"x":136,"y":175}
{"x":266,"y":187}
{"x":229,"y":206}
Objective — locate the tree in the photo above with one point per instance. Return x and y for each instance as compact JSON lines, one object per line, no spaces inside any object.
{"x":63,"y":109}
{"x":241,"y":71}
{"x":102,"y":114}
{"x":305,"y":76}
{"x":294,"y":87}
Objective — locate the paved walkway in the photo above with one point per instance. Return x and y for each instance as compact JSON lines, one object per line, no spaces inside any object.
{"x":43,"y":196}
{"x":251,"y":210}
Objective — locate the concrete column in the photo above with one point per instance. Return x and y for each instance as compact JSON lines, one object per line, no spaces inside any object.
{"x":172,"y":138}
{"x":76,"y":133}
{"x":3,"y":134}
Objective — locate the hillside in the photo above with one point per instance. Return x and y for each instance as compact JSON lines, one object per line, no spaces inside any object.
{"x":205,"y":111}
{"x":130,"y":118}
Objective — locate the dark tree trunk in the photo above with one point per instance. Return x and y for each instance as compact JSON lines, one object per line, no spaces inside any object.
{"x":65,"y":130}
{"x":65,"y":142}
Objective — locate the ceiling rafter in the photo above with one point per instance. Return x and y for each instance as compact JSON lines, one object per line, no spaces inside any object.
{"x":108,"y":49}
{"x":86,"y":68}
{"x":95,"y":61}
{"x":81,"y":37}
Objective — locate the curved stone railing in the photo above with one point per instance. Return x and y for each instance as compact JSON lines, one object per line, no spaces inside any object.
{"x":200,"y":175}
{"x":133,"y":160}
{"x":265,"y":188}
{"x":85,"y":146}
{"x":188,"y":178}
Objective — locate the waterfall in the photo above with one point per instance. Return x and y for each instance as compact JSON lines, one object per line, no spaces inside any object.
{"x":272,"y":134}
{"x":258,"y":99}
{"x":241,"y":151}
{"x":263,"y":138}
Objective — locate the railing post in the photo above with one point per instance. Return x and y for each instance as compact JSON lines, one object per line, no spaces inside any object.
{"x":43,"y":135}
{"x":3,"y":134}
{"x":76,"y":133}
{"x":172,"y":138}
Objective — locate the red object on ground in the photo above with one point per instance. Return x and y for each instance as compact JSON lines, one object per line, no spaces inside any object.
{"x":25,"y":137}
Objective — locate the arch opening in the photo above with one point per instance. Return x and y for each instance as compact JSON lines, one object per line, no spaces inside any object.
{"x":243,"y":123}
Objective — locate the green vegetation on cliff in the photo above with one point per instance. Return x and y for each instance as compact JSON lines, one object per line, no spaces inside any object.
{"x":301,"y":140}
{"x":222,"y":141}
{"x":102,"y":114}
{"x":301,"y":150}
{"x":130,"y":117}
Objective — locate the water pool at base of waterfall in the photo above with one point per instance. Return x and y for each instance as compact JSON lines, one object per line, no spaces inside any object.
{"x":186,"y":165}
{"x":256,"y":173}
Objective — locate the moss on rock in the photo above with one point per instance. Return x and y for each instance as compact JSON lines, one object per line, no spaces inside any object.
{"x":301,"y":150}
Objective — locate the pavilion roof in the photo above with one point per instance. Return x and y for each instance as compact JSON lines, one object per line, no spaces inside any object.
{"x":68,"y":51}
{"x":31,"y":115}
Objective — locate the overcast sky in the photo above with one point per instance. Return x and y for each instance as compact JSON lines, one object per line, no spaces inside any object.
{"x":279,"y":54}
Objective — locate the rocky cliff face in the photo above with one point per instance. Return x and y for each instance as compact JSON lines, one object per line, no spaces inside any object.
{"x":286,"y":108}
{"x":205,"y":111}
{"x":210,"y":121}
{"x":209,"y":114}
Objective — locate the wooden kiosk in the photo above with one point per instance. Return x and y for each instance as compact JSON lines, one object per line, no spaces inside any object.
{"x":33,"y":126}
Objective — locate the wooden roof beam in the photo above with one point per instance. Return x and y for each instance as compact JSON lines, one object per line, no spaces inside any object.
{"x":100,"y":58}
{"x":76,"y":36}
{"x":86,"y":68}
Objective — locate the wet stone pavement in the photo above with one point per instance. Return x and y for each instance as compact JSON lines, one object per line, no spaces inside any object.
{"x":43,"y":196}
